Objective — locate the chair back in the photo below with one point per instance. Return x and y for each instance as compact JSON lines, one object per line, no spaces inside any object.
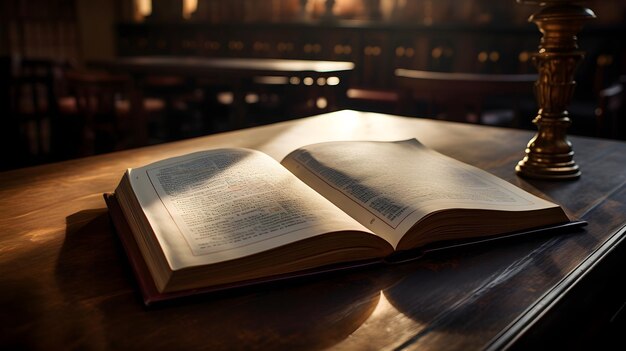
{"x":611,"y":112}
{"x":461,"y":96}
{"x":99,"y":97}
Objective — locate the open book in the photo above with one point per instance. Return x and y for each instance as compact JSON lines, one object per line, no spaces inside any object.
{"x":225,"y":217}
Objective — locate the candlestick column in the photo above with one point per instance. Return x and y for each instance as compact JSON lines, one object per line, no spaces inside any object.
{"x":549,"y":155}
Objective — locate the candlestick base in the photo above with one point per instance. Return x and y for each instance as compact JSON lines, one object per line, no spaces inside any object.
{"x":548,"y":166}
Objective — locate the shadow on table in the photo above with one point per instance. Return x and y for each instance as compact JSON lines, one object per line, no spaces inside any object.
{"x":96,"y":283}
{"x":475,"y":291}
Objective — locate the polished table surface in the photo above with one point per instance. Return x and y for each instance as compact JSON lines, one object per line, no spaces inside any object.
{"x":66,"y":284}
{"x":238,"y":75}
{"x":203,"y":65}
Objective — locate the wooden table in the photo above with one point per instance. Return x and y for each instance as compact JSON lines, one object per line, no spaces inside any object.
{"x":237,"y":74}
{"x":66,"y":282}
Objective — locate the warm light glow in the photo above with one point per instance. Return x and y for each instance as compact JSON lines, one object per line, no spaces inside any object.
{"x":342,"y":8}
{"x":387,"y":7}
{"x":225,"y":98}
{"x":385,"y":328}
{"x":189,"y":7}
{"x":348,"y":8}
{"x":252,"y":98}
{"x":144,"y":7}
{"x":383,"y":306}
{"x":321,"y":103}
{"x":494,"y":56}
{"x":437,"y":52}
{"x":524,"y":56}
{"x":271,"y":80}
{"x":482,"y":56}
{"x":332,"y":80}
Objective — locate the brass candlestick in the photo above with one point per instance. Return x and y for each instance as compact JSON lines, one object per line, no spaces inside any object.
{"x":549,"y":154}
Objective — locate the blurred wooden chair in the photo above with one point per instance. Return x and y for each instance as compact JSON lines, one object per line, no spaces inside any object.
{"x":103,"y":103}
{"x":610,"y":115}
{"x":603,"y":115}
{"x":465,"y":97}
{"x":183,"y":106}
{"x":373,"y":100}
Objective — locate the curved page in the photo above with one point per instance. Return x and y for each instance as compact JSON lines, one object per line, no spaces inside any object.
{"x":390,"y":186}
{"x":220,"y":205}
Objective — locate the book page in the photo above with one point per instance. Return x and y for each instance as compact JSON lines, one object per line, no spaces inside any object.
{"x":224,"y":204}
{"x":389,"y":186}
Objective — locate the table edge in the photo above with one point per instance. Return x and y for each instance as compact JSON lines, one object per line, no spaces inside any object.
{"x":540,"y":308}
